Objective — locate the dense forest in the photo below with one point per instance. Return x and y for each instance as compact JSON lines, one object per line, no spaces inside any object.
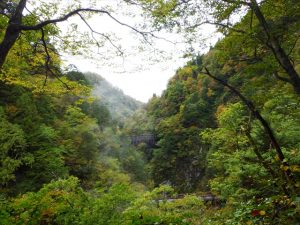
{"x":224,"y":144}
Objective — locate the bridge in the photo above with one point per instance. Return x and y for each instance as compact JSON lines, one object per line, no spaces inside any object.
{"x":147,"y":138}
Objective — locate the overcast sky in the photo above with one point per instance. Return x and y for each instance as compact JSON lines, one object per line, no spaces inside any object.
{"x":141,"y":84}
{"x":143,"y":70}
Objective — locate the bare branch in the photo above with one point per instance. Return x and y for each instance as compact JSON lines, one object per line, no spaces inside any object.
{"x":250,"y":60}
{"x":144,"y":34}
{"x":234,"y":2}
{"x":101,"y":34}
{"x":75,"y":12}
{"x":48,"y":59}
{"x":294,"y":45}
{"x":228,"y":26}
{"x":31,"y":12}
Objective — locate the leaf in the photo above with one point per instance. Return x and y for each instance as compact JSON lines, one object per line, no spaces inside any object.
{"x":262,"y":212}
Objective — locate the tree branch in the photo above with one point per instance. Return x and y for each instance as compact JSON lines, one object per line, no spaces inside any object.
{"x":12,"y":32}
{"x":48,"y":59}
{"x":234,"y":2}
{"x":278,"y":51}
{"x":228,"y":26}
{"x":294,"y":45}
{"x":101,"y":34}
{"x":262,"y":160}
{"x":40,"y":25}
{"x":73,"y":13}
{"x":263,"y":122}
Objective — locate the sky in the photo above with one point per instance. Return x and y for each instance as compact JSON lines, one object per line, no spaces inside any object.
{"x":141,"y":84}
{"x":144,"y":69}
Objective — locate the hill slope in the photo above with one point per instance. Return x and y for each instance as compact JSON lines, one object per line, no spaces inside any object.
{"x":121,"y":106}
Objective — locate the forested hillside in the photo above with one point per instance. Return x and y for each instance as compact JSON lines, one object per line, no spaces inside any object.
{"x":226,"y":129}
{"x":121,"y":106}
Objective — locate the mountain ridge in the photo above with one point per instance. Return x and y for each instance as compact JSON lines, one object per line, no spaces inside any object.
{"x":120,"y":105}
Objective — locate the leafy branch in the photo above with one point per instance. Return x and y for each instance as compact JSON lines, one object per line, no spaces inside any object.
{"x":250,"y":105}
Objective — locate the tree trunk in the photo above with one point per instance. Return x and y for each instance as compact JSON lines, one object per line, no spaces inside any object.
{"x":12,"y":32}
{"x":269,"y":132}
{"x":277,"y":50}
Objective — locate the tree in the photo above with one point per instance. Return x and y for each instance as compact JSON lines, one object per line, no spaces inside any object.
{"x":267,"y":129}
{"x":155,"y":207}
{"x":65,"y":202}
{"x":37,"y":18}
{"x":261,"y":24}
{"x":179,"y":115}
{"x":12,"y":154}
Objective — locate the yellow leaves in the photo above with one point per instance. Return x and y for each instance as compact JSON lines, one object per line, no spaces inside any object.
{"x":295,"y":168}
{"x":185,"y":72}
{"x":209,"y":92}
{"x":53,"y":86}
{"x":221,"y":108}
{"x":262,"y":212}
{"x":79,"y":101}
{"x":11,"y":109}
{"x":227,"y":66}
{"x":284,"y":168}
{"x":56,"y":193}
{"x":47,"y":213}
{"x":249,"y":223}
{"x":90,"y":99}
{"x":294,"y":152}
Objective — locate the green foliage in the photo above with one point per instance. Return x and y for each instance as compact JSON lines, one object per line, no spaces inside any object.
{"x":12,"y":146}
{"x":65,"y":202}
{"x":158,"y":207}
{"x":120,"y":162}
{"x":80,"y":137}
{"x":58,"y":202}
{"x":207,"y":140}
{"x":120,"y":105}
{"x":139,"y":123}
{"x":109,"y":206}
{"x":77,"y":76}
{"x":99,"y":111}
{"x":256,"y":211}
{"x":238,"y":160}
{"x":184,"y":109}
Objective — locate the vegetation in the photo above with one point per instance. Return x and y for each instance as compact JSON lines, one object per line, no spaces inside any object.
{"x":227,"y":127}
{"x":121,"y":106}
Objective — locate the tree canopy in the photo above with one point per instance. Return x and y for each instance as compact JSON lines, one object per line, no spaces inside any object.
{"x":225,"y":132}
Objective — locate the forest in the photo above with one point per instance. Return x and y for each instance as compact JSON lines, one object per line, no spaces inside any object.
{"x":220,"y":145}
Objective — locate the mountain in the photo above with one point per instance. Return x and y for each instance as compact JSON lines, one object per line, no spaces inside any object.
{"x":120,"y":105}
